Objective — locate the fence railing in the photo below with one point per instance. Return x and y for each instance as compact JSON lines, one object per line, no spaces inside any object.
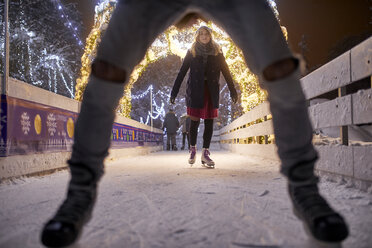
{"x":252,"y":133}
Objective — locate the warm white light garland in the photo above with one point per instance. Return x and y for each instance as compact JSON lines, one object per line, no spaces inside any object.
{"x":172,"y":41}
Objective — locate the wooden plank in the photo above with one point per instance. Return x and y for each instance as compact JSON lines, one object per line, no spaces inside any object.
{"x":266,"y":137}
{"x":330,"y":76}
{"x":332,"y":113}
{"x":215,"y":138}
{"x":344,"y":134}
{"x":259,"y":129}
{"x":258,"y":112}
{"x":265,"y":151}
{"x":361,"y":60}
{"x":362,"y":106}
{"x":336,"y":159}
{"x":362,"y":162}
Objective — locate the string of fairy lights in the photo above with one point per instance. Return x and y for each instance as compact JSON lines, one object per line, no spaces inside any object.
{"x":64,"y":16}
{"x":171,"y":41}
{"x":158,"y":110}
{"x":56,"y":65}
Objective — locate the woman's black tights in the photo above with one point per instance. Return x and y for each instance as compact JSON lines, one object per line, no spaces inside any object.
{"x":194,"y":132}
{"x":208,"y":132}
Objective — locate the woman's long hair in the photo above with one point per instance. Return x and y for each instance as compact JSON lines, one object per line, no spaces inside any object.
{"x":217,"y":49}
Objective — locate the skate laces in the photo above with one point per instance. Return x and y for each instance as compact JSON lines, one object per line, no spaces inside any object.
{"x":192,"y":152}
{"x":311,"y":203}
{"x":206,"y":154}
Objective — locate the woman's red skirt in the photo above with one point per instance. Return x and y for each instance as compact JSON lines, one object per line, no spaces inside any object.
{"x":207,"y":112}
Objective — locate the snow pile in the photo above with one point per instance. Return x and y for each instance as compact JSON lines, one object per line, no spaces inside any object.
{"x":323,"y":140}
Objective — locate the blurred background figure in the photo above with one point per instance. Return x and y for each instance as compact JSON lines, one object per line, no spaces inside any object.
{"x":185,"y":123}
{"x":171,"y":124}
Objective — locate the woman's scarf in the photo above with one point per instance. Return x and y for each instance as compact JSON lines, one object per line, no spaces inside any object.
{"x":204,"y":50}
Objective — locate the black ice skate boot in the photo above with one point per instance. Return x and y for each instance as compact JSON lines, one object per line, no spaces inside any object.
{"x":66,"y":226}
{"x":168,"y":147}
{"x":319,"y":218}
{"x":174,"y":148}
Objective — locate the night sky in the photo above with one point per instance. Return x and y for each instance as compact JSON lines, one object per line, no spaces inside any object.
{"x":86,"y":8}
{"x":326,"y":24}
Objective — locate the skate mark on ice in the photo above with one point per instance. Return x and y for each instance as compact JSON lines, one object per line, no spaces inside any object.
{"x":254,"y":246}
{"x":264,"y":193}
{"x":180,"y":231}
{"x":206,"y":193}
{"x":118,"y":193}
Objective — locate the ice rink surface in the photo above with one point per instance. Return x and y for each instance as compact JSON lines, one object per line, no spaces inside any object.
{"x":159,"y":201}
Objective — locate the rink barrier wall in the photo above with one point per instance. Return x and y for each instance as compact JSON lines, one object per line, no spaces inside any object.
{"x":37,"y":132}
{"x":252,"y":133}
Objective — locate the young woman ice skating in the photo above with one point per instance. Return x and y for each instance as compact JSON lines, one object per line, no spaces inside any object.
{"x":205,"y":61}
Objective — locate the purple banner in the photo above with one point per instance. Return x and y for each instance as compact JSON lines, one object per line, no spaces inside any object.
{"x":36,"y":128}
{"x":29,"y":127}
{"x":3,"y":127}
{"x":123,"y":135}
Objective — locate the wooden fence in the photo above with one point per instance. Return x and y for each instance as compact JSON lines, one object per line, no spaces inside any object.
{"x":252,"y":133}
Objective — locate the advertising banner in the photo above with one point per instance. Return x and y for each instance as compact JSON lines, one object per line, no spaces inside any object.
{"x":28,"y":127}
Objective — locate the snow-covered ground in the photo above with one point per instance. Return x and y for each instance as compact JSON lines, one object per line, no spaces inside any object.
{"x":159,"y":201}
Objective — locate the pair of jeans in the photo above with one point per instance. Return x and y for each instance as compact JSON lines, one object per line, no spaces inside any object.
{"x":171,"y":139}
{"x":254,"y":28}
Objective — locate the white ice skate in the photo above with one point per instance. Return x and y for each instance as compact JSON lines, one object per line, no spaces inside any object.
{"x":192,"y":155}
{"x":206,"y":160}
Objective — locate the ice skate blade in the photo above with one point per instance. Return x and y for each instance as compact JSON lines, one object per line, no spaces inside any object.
{"x":314,"y":241}
{"x":204,"y":164}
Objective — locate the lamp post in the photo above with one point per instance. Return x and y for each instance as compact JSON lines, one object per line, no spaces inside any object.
{"x":4,"y":82}
{"x":151,"y":108}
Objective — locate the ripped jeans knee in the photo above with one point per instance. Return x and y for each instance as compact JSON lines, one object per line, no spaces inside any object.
{"x":107,"y":71}
{"x":280,"y":69}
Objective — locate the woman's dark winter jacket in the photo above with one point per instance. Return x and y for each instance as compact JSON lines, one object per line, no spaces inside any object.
{"x":200,"y":73}
{"x":171,"y":123}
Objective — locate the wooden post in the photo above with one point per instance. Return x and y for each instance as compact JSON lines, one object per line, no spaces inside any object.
{"x":266,"y":137}
{"x":344,"y":135}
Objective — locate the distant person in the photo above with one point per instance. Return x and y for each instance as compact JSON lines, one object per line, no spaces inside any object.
{"x":171,"y":126}
{"x":253,"y":26}
{"x":185,"y":123}
{"x":205,"y":62}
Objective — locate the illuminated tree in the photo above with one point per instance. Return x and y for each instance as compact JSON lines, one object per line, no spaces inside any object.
{"x":43,"y":44}
{"x":176,"y":42}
